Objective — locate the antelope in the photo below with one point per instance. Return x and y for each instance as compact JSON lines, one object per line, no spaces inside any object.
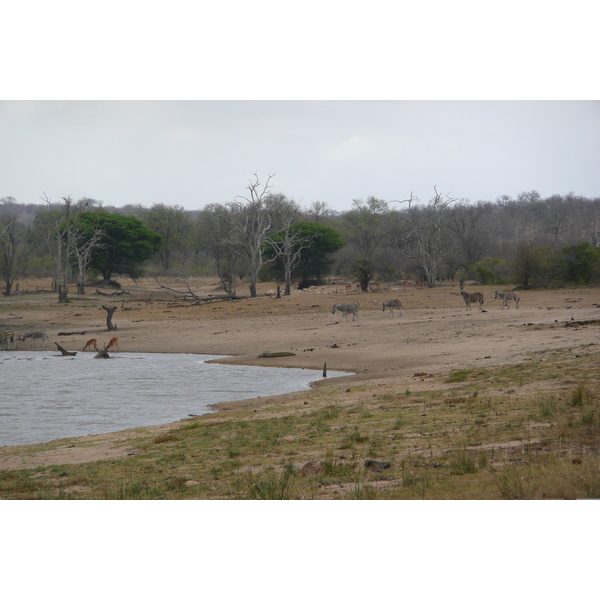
{"x":347,"y":308}
{"x":391,"y":305}
{"x":505,"y":297}
{"x":90,"y":343}
{"x":348,"y":288}
{"x":114,"y":343}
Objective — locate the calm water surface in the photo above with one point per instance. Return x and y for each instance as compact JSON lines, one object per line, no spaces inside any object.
{"x":45,"y":396}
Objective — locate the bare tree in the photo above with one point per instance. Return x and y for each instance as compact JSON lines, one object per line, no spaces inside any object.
{"x":594,"y":228}
{"x":13,"y":236}
{"x":319,"y":211}
{"x":172,"y":223}
{"x":82,"y":249}
{"x":63,"y":239}
{"x":366,"y":225}
{"x":288,"y":245}
{"x":557,"y":217}
{"x":58,"y":231}
{"x":425,"y":241}
{"x":465,"y":222}
{"x":216,"y":232}
{"x":251,"y":221}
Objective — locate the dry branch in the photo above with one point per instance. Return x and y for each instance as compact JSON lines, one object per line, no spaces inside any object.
{"x":190,"y":296}
{"x":63,"y":351}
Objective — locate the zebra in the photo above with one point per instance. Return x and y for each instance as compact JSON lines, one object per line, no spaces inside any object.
{"x":8,"y":337}
{"x":391,"y":305}
{"x":347,"y":308}
{"x":34,"y":335}
{"x":505,"y":297}
{"x":475,"y":297}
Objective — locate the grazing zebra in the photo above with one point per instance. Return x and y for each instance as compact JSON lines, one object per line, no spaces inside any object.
{"x":8,"y":337}
{"x":391,"y":305}
{"x":347,"y":308}
{"x":505,"y":297}
{"x":468,"y":298}
{"x":34,"y":335}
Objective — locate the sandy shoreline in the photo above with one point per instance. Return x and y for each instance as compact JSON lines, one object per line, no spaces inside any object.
{"x":434,"y":334}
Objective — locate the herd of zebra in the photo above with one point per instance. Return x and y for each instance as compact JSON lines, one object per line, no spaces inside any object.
{"x":9,"y":337}
{"x":391,"y":305}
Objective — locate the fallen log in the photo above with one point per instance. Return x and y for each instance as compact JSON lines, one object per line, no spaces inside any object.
{"x":72,"y":333}
{"x":115,"y":293}
{"x":102,"y":354}
{"x":63,"y":351}
{"x":194,"y":299}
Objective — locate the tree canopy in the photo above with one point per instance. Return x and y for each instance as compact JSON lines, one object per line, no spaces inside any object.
{"x":315,"y":259}
{"x":124,"y":245}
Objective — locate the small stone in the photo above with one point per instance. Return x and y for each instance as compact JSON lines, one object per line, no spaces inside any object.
{"x":376,"y":465}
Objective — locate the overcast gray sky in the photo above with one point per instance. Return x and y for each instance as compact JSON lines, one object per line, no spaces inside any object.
{"x":340,"y":102}
{"x":193,"y":153}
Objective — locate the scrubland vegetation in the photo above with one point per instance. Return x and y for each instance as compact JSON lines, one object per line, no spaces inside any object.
{"x":485,"y":433}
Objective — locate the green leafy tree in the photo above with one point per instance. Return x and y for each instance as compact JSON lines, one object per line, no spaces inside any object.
{"x":583,"y":263}
{"x":315,"y":242}
{"x":125,"y":244}
{"x":538,"y":266}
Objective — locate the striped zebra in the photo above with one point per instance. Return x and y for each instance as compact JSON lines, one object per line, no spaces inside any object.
{"x":33,"y":336}
{"x":8,"y":337}
{"x":391,"y":305}
{"x":347,"y":308}
{"x":506,"y":297}
{"x":475,"y":297}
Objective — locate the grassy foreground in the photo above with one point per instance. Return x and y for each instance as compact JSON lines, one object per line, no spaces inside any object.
{"x":529,"y":431}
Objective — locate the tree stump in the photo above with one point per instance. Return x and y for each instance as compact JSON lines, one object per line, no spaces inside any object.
{"x":102,"y":354}
{"x":110,"y":310}
{"x":63,"y":351}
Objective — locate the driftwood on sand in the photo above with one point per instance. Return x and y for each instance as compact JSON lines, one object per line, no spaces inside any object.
{"x":115,"y":293}
{"x":63,"y":351}
{"x":71,"y":332}
{"x":191,"y":296}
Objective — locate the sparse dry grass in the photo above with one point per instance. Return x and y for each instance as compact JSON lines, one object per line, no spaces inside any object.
{"x":491,"y":435}
{"x":478,"y":429}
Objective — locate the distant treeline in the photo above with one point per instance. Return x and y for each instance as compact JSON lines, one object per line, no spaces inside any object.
{"x":523,"y":242}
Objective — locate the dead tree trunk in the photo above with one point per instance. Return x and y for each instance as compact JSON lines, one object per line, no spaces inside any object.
{"x":63,"y":351}
{"x":110,"y":310}
{"x":102,"y":354}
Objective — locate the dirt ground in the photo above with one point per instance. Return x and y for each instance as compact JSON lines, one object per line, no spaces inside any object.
{"x":434,"y":334}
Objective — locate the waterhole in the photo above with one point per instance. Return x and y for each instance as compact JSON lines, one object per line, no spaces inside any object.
{"x":44,"y":396}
